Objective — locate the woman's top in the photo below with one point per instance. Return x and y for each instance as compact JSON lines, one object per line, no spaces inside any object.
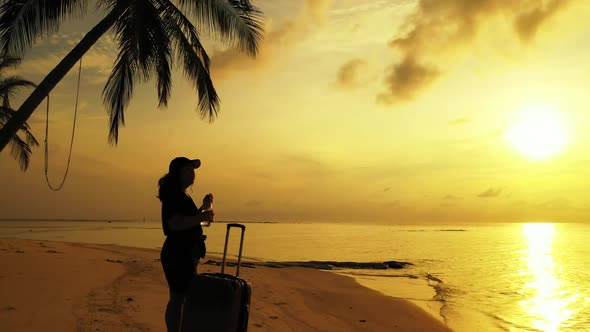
{"x":179,"y":245}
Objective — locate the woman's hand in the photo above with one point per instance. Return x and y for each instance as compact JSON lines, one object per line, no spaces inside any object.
{"x":207,"y":215}
{"x":207,"y":201}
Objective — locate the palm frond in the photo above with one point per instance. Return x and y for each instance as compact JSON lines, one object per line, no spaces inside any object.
{"x":8,"y":62}
{"x":143,"y":35}
{"x":119,"y":87}
{"x":117,"y":94}
{"x":137,"y":17}
{"x":29,"y":137}
{"x":195,"y":61}
{"x":164,"y":73}
{"x":20,"y":151}
{"x":161,"y":62}
{"x":10,"y":85}
{"x":5,"y":100}
{"x":23,"y":21}
{"x":5,"y":114}
{"x":144,"y":49}
{"x":236,"y":21}
{"x":185,"y":27}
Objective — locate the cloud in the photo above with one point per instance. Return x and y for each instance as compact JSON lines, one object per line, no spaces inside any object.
{"x":347,"y":76}
{"x":306,"y":166}
{"x":459,"y":121}
{"x":556,"y":204}
{"x":316,"y":10}
{"x":276,"y":42}
{"x":395,"y":204}
{"x":440,"y":26}
{"x":528,"y":23}
{"x":451,"y":197}
{"x":405,"y":79}
{"x":253,"y":203}
{"x":96,"y":63}
{"x":489,"y":193}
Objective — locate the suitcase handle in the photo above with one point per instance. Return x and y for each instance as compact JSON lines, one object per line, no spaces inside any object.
{"x":229,"y":226}
{"x":236,"y":225}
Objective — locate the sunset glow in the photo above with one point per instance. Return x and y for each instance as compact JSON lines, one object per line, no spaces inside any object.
{"x":538,"y":133}
{"x":547,"y":302}
{"x":400,"y":165}
{"x":381,"y":111}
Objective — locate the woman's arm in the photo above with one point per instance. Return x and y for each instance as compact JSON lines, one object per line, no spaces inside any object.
{"x":179,"y":222}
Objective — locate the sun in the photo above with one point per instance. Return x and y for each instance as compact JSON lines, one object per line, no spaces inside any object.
{"x":537,"y":132}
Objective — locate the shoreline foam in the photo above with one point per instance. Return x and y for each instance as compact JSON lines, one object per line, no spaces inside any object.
{"x":422,"y":290}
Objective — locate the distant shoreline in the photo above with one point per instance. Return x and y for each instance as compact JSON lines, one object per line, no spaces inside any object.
{"x":45,"y":219}
{"x":138,"y":220}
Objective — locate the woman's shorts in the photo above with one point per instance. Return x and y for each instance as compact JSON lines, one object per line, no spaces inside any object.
{"x":179,"y":275}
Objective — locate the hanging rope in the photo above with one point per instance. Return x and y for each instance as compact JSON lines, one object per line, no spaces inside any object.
{"x":71,"y":140}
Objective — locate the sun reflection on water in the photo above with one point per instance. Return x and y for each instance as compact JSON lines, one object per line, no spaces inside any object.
{"x":547,"y":301}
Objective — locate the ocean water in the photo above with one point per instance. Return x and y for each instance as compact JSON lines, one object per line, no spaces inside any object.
{"x":489,"y":277}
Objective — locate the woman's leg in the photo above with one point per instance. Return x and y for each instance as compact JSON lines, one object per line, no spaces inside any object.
{"x":178,"y":277}
{"x":174,"y":311}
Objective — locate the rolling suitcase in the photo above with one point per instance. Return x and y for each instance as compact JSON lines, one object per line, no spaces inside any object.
{"x":218,"y":302}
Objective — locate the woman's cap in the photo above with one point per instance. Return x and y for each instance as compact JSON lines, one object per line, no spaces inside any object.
{"x":179,"y":162}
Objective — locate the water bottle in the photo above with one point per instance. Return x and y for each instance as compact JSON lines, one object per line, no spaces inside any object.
{"x":207,"y":206}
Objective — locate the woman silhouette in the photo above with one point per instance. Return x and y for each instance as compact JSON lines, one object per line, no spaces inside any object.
{"x":181,"y":223}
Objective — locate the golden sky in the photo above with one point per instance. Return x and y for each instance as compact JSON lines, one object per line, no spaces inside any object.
{"x":355,"y":110}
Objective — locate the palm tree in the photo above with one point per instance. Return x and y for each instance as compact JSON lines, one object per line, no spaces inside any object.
{"x":149,"y":34}
{"x":20,"y":147}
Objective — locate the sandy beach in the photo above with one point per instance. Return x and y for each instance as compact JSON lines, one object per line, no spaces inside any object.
{"x":59,"y":286}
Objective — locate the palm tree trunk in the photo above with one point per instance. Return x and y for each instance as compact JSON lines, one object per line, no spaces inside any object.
{"x":51,"y":80}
